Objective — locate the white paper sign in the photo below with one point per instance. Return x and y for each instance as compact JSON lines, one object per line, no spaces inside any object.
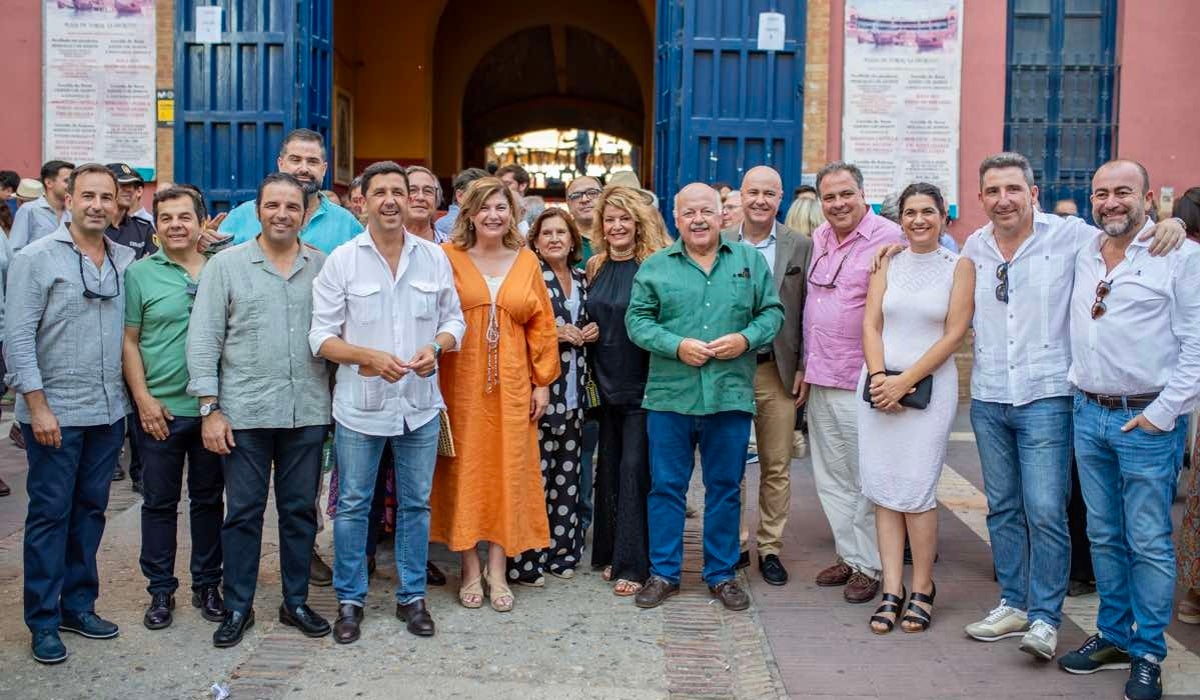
{"x":771,"y":31}
{"x":208,"y":24}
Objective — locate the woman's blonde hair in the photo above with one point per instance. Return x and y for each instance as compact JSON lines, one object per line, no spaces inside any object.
{"x":804,"y":216}
{"x":649,"y":235}
{"x":479,"y":192}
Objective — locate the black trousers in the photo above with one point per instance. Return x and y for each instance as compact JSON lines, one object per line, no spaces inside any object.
{"x":621,"y":537}
{"x":162,"y":480}
{"x":296,"y":455}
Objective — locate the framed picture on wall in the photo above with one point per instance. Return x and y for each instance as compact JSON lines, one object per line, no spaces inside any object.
{"x":343,"y":137}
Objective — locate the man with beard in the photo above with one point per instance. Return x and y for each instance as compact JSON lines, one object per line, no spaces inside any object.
{"x":582,"y":194}
{"x":779,"y":374}
{"x":424,"y":196}
{"x":1126,"y":420}
{"x":326,"y":225}
{"x":263,"y":401}
{"x":700,"y":390}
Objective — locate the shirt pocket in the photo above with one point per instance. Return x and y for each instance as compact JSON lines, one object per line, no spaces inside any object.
{"x":424,"y":298}
{"x":364,"y":301}
{"x":1048,"y":269}
{"x":65,"y":300}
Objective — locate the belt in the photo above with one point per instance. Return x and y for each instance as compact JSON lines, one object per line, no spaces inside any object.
{"x":764,"y":357}
{"x":1114,"y":402}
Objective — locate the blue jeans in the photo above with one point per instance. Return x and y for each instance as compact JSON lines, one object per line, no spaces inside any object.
{"x":1025,"y":452}
{"x":68,"y":493}
{"x":414,"y":455}
{"x":1128,"y":481}
{"x":722,"y":438}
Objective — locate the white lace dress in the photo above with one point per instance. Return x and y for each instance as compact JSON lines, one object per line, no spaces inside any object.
{"x":901,"y":455}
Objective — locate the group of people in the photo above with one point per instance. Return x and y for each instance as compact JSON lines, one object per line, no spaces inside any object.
{"x":478,"y":367}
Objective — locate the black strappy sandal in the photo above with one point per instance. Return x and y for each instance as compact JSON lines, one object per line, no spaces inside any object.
{"x":891,"y":604}
{"x":920,"y":617}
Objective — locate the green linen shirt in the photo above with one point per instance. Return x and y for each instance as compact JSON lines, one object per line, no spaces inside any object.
{"x":673,"y":299}
{"x":158,"y":302}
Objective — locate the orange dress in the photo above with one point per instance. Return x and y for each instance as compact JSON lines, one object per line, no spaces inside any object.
{"x":492,"y":489}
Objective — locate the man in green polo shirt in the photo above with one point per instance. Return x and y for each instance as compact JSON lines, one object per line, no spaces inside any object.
{"x":697,"y":307}
{"x":159,"y":290}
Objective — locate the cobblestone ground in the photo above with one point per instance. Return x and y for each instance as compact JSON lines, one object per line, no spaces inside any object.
{"x":572,"y":638}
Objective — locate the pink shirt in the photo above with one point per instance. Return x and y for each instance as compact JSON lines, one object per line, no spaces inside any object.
{"x":833,"y":318}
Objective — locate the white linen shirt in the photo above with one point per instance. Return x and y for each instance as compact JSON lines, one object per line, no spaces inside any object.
{"x":356,"y":298}
{"x":1148,"y":339}
{"x":1023,"y":348}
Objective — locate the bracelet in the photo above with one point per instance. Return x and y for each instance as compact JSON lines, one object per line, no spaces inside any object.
{"x":872,"y":375}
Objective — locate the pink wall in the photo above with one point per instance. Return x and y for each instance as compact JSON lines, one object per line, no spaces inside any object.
{"x":21,"y":117}
{"x":982,"y":110}
{"x":1158,"y":103}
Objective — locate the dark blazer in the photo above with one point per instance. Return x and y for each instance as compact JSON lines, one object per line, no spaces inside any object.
{"x":793,"y":253}
{"x":568,"y":354}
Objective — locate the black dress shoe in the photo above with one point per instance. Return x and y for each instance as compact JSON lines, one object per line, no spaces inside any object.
{"x":346,"y":626}
{"x":434,"y":575}
{"x":304,"y":619}
{"x":743,"y":560}
{"x":208,"y":599}
{"x":158,"y":615}
{"x":88,"y":624}
{"x":5,"y":489}
{"x":772,"y":570}
{"x":118,"y":473}
{"x":319,"y":573}
{"x":420,"y":622}
{"x":235,"y":624}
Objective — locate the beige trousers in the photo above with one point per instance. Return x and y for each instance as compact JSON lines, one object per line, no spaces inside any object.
{"x":774,"y":424}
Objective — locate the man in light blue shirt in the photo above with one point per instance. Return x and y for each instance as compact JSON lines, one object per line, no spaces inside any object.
{"x":41,"y":217}
{"x":445,"y":224}
{"x":327,"y":225}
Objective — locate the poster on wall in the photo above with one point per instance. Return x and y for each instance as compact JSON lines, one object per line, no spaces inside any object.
{"x":98,"y":89}
{"x":903,"y":61}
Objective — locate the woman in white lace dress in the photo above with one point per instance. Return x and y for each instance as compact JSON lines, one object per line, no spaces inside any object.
{"x":919,"y":307}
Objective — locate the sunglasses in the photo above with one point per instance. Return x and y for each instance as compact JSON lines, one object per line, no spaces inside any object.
{"x":1098,"y":306}
{"x":832,"y":283}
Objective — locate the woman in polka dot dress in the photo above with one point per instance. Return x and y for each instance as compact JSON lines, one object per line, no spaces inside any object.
{"x":555,"y":239}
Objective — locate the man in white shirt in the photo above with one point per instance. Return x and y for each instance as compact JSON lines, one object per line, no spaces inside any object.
{"x":1135,"y":348}
{"x":1021,"y":398}
{"x":384,"y":309}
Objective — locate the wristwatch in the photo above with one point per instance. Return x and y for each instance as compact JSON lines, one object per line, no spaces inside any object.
{"x":437,"y":351}
{"x":207,"y":408}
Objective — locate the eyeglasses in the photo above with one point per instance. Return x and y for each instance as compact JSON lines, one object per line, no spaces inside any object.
{"x":832,"y":283}
{"x":1098,"y":306}
{"x":88,"y":293}
{"x":589,"y":195}
{"x":1002,"y":288}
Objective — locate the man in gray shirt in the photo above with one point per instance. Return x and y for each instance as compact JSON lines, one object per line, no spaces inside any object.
{"x":41,"y":217}
{"x":263,"y":399}
{"x":63,"y":349}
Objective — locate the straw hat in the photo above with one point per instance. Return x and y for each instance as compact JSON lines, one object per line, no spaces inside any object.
{"x":30,"y":189}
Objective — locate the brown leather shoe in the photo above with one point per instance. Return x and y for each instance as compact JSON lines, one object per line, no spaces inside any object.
{"x":656,"y":590}
{"x":346,"y":628}
{"x":836,"y":575}
{"x":420,"y":622}
{"x":15,"y":435}
{"x":731,"y":594}
{"x":860,"y":588}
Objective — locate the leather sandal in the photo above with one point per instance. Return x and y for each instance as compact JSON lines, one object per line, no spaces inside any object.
{"x":624,"y":587}
{"x":890,"y":605}
{"x":498,"y":591}
{"x":918,"y":619}
{"x":470,"y":594}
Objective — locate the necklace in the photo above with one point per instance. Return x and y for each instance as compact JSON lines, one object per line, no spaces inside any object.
{"x":616,"y":256}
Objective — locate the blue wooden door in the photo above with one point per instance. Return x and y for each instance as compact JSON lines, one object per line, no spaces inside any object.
{"x":722,"y":105}
{"x":236,"y":99}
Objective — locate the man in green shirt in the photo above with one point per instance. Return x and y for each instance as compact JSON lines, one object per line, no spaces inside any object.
{"x":698,"y":306}
{"x":159,"y":290}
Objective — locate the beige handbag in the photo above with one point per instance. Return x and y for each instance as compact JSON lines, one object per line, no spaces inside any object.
{"x":445,"y":437}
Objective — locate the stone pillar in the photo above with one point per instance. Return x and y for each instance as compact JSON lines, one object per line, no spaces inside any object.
{"x":816,"y":87}
{"x":165,"y":80}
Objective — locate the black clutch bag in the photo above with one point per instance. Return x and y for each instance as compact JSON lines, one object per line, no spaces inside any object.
{"x":918,"y":399}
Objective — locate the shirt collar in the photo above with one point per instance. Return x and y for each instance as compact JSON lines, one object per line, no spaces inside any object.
{"x":676,"y":248}
{"x":62,"y":233}
{"x":257,"y":255}
{"x":41,"y":203}
{"x":868,"y":228}
{"x":364,"y":240}
{"x":771,"y":237}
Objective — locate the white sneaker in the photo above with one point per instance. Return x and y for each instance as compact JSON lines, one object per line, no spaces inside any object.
{"x":1003,"y":622}
{"x":1041,"y":640}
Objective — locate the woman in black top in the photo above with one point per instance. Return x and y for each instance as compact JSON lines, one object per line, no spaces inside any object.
{"x":556,"y":240}
{"x":626,"y":231}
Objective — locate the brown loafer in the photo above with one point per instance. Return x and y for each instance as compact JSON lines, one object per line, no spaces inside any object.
{"x":860,"y":588}
{"x":420,"y":622}
{"x":656,"y":590}
{"x":731,"y":594}
{"x":346,"y":629}
{"x":836,"y":575}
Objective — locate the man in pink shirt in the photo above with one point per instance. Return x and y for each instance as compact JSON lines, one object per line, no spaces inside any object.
{"x":843,"y":248}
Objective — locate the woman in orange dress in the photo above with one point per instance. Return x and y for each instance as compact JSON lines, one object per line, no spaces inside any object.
{"x":496,"y":388}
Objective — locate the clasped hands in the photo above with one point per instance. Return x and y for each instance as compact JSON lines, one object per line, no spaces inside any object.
{"x":697,"y":352}
{"x":569,"y":333}
{"x":886,"y":392}
{"x":392,"y":369}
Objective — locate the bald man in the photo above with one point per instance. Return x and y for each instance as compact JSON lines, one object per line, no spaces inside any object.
{"x":779,"y":375}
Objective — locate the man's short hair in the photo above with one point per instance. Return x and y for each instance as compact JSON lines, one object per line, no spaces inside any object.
{"x":355,"y":184}
{"x":518,"y":173}
{"x":88,"y":169}
{"x":302,"y":135}
{"x":383,"y":167}
{"x":280,"y":178}
{"x":466,"y":177}
{"x":51,"y":168}
{"x":840,"y":166}
{"x":181,"y":192}
{"x":10,"y":179}
{"x":801,"y":189}
{"x":1007,"y":159}
{"x":1141,"y":169}
{"x":437,"y":184}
